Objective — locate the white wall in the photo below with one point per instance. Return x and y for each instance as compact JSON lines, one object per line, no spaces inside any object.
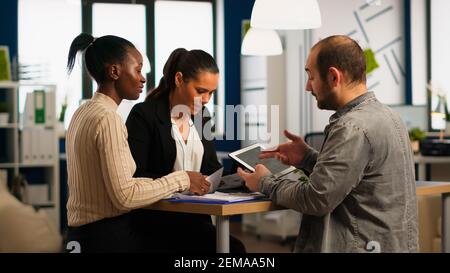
{"x":294,"y":60}
{"x":338,"y":17}
{"x":376,"y":27}
{"x":440,"y":46}
{"x":419,"y":51}
{"x":264,"y":95}
{"x":302,"y":114}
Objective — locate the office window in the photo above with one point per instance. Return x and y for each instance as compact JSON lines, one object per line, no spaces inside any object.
{"x":418,"y":32}
{"x":187,"y":24}
{"x":46,"y":29}
{"x":440,"y":54}
{"x":133,"y":28}
{"x":157,"y":27}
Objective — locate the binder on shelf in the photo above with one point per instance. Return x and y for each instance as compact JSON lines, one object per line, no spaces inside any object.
{"x":28,"y":114}
{"x":38,"y":145}
{"x":35,"y":145}
{"x":42,"y":145}
{"x":39,"y":106}
{"x":47,"y":145}
{"x":40,"y":109}
{"x":26,"y":146}
{"x":50,"y":108}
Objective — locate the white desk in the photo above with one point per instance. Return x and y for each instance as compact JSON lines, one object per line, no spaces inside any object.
{"x":422,"y":160}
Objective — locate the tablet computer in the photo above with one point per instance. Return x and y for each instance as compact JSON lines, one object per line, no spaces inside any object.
{"x":249,"y":158}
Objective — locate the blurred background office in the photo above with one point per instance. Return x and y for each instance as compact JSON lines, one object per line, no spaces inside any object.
{"x":406,"y":45}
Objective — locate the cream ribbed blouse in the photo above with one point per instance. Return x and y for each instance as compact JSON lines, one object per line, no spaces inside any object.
{"x":100,"y":167}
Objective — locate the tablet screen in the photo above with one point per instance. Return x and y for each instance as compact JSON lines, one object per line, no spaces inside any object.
{"x":251,"y":157}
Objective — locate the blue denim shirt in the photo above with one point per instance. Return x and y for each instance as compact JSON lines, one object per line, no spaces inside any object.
{"x":361,"y":193}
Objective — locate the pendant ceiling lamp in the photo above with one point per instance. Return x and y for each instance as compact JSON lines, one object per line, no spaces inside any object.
{"x":261,"y":42}
{"x":286,"y":14}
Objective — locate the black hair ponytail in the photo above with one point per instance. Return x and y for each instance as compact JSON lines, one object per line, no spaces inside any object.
{"x":98,"y":53}
{"x":167,"y":81}
{"x":80,"y":43}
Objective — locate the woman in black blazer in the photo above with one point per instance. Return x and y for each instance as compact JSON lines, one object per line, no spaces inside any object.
{"x":186,"y":75}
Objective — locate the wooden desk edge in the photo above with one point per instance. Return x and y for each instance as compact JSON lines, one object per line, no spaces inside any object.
{"x":261,"y":206}
{"x":433,"y":189}
{"x":216,"y":209}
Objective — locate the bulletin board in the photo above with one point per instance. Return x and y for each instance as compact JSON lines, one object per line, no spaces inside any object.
{"x":378,"y":27}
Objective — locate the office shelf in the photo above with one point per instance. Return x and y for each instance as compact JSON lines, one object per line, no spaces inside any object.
{"x":26,"y":165}
{"x":43,"y":205}
{"x":8,"y":126}
{"x":8,"y":165}
{"x":36,"y":165}
{"x":12,"y":150}
{"x":9,"y":84}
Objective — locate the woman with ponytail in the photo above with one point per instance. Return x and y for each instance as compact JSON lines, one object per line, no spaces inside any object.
{"x":164,"y":138}
{"x":102,"y":190}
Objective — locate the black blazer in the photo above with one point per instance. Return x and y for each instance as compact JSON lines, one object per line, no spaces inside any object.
{"x":151,"y":142}
{"x":154,"y":151}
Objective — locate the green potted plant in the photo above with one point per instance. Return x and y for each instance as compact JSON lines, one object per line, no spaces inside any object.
{"x":4,"y":113}
{"x":416,"y":135}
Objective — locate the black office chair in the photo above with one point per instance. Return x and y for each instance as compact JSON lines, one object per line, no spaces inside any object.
{"x":315,"y":140}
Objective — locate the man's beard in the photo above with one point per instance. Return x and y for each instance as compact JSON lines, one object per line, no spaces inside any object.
{"x":328,"y":100}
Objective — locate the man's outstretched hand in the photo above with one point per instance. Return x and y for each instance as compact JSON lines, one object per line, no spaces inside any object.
{"x":290,"y":153}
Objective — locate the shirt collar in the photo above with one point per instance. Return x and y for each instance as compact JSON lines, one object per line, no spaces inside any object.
{"x":105,"y":100}
{"x":364,"y":98}
{"x":174,"y":123}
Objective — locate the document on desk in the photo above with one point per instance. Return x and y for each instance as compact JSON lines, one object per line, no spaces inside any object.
{"x":217,"y":197}
{"x":214,"y":180}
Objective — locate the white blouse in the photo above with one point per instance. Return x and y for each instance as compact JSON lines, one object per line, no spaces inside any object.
{"x":190,"y":153}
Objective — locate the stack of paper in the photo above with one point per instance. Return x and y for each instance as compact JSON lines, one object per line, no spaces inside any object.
{"x":217,"y":197}
{"x":219,"y":182}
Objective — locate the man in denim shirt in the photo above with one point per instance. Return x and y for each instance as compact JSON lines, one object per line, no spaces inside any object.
{"x":361,"y":195}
